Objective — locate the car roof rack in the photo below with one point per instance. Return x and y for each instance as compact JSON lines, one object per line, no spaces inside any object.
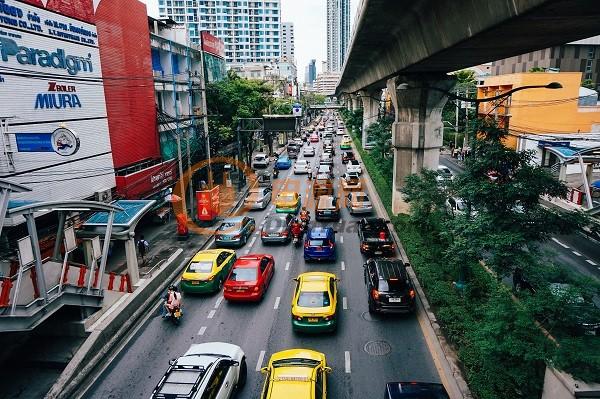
{"x":180,"y":382}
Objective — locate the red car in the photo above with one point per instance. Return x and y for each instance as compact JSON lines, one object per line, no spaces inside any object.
{"x":314,"y":138}
{"x":249,"y":278}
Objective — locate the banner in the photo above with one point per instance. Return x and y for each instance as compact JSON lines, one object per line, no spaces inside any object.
{"x":208,"y":204}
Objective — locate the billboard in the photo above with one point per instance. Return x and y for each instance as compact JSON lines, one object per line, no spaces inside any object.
{"x":51,"y":78}
{"x":212,"y":44}
{"x":208,"y":204}
{"x":147,"y":181}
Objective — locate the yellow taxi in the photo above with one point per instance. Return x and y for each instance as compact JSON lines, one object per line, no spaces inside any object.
{"x":346,"y":143}
{"x":296,"y":374}
{"x":207,"y":271}
{"x":287,"y":202}
{"x":314,"y":305}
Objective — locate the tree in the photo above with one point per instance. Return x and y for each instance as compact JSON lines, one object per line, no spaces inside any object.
{"x":537,"y":69}
{"x":426,"y":200}
{"x":587,"y":83}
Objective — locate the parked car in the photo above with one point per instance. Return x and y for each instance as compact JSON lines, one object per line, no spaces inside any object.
{"x":207,"y":370}
{"x":353,"y":166}
{"x":347,"y":156}
{"x":358,"y":202}
{"x":583,"y":314}
{"x":458,"y":206}
{"x":249,"y":278}
{"x":415,"y":390}
{"x":302,"y":166}
{"x":207,"y":271}
{"x":302,"y":372}
{"x":351,"y":181}
{"x":314,"y":303}
{"x":309,"y":151}
{"x":277,"y":228}
{"x":283,"y":163}
{"x":327,"y":208}
{"x":389,"y":289}
{"x":319,"y":244}
{"x":375,"y":237}
{"x":234,"y":231}
{"x":260,"y":161}
{"x":322,"y":185}
{"x":258,"y":198}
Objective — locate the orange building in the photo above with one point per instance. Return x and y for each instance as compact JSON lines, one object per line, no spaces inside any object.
{"x":571,"y":109}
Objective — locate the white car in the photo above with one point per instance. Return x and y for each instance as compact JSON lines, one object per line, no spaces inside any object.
{"x":260,"y":161}
{"x":340,"y":130}
{"x":308,"y":151}
{"x":353,"y":166}
{"x":301,"y":167}
{"x":444,"y":174}
{"x":195,"y":374}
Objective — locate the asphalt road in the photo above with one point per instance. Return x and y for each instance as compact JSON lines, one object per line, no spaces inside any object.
{"x":577,"y":251}
{"x":264,"y":328}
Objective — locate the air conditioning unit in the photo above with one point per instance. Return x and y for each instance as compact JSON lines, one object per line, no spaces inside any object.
{"x":103,"y":195}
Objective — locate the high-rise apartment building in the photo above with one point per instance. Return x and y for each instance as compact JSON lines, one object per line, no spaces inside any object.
{"x":287,"y":42}
{"x":338,"y":33}
{"x":251,"y":30}
{"x":311,"y":72}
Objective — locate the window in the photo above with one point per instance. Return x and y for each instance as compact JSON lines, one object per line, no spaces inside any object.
{"x":264,"y":262}
{"x":319,"y":384}
{"x":200,"y":267}
{"x":216,"y":381}
{"x":221,"y":258}
{"x":314,"y":299}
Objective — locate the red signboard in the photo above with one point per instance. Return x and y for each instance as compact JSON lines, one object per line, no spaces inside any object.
{"x":147,"y":181}
{"x":212,"y":44}
{"x":208,"y":204}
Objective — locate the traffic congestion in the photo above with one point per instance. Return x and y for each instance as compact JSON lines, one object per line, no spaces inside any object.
{"x":306,"y":270}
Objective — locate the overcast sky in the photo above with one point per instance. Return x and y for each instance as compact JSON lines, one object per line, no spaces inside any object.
{"x":309,"y":18}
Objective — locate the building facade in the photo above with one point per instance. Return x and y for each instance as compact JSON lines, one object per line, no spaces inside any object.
{"x":326,"y":83}
{"x":311,"y":72}
{"x":338,"y":33}
{"x":580,"y":56}
{"x":250,"y":29}
{"x":287,"y":42}
{"x":569,"y":110}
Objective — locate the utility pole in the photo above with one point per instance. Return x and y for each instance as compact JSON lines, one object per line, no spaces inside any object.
{"x":189,"y":170}
{"x":183,"y":205}
{"x":456,"y":123}
{"x":205,"y":117}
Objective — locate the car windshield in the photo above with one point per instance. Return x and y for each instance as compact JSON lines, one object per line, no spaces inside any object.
{"x":318,"y":243}
{"x":200,"y":267}
{"x":461,"y":205}
{"x":286,"y":197}
{"x":301,"y":163}
{"x":259,"y":158}
{"x":255,"y":195}
{"x":275,"y":223}
{"x":361,"y":198}
{"x":295,"y":362}
{"x":243,"y":274}
{"x":392,"y":285}
{"x":228,"y":226}
{"x":310,"y":299}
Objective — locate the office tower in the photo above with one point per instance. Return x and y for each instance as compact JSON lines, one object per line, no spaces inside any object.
{"x":338,"y":33}
{"x":287,"y":41}
{"x":251,"y":30}
{"x":311,"y":72}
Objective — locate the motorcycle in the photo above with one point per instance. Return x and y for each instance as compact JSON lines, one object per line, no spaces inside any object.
{"x":176,"y":315}
{"x":297,"y":237}
{"x":275,"y":173}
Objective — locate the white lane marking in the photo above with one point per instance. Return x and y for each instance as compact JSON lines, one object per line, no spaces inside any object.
{"x":252,"y":241}
{"x":341,"y":239}
{"x":347,"y":365}
{"x":591,"y":262}
{"x":560,"y":243}
{"x":202,"y":330}
{"x":287,"y":266}
{"x":340,"y":221}
{"x":211,"y":314}
{"x":271,"y":207}
{"x":277,"y":300}
{"x":345,"y":303}
{"x":261,"y":357}
{"x":343,"y":265}
{"x":246,"y":252}
{"x":576,"y":253}
{"x":218,"y":303}
{"x":257,"y":233}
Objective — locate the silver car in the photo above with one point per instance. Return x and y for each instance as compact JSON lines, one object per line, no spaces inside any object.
{"x":258,"y":198}
{"x":277,"y":228}
{"x":358,"y":202}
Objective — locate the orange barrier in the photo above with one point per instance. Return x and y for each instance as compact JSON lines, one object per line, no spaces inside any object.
{"x":128,"y":283}
{"x":66,"y":275}
{"x":111,"y":280}
{"x":123,"y":281}
{"x":36,"y":290}
{"x":5,"y":293}
{"x":81,"y":280}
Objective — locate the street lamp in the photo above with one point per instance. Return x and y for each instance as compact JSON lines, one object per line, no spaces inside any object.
{"x":455,"y":127}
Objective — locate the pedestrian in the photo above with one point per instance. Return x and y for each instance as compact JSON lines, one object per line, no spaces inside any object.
{"x":143,"y":246}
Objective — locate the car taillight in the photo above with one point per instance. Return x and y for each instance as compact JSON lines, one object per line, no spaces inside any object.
{"x":298,"y":318}
{"x":306,"y":246}
{"x":212,"y":277}
{"x":330,"y":245}
{"x":228,"y":289}
{"x":327,"y":318}
{"x":412,"y":294}
{"x":375,"y":294}
{"x":263,"y":234}
{"x":284,"y":233}
{"x":255,"y":289}
{"x":235,"y":237}
{"x":364,"y":246}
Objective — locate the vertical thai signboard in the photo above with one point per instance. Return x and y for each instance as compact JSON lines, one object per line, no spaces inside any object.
{"x":208,"y":204}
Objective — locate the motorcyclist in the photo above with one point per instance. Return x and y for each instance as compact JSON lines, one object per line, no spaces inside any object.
{"x":296,"y":228}
{"x":275,"y":172}
{"x":305,"y":215}
{"x":172,"y":301}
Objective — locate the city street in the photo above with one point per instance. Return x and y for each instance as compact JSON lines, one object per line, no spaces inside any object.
{"x":365,"y":353}
{"x":578,"y":251}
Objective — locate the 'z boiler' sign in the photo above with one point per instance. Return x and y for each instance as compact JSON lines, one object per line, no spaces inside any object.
{"x":58,"y":96}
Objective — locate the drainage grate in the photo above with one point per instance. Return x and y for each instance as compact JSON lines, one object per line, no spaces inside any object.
{"x":368,"y":316}
{"x":377,"y":348}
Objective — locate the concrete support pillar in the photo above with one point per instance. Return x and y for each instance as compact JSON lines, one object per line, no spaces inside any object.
{"x":355,"y":103}
{"x":370,"y":104}
{"x":132,"y":263}
{"x":417,"y":132}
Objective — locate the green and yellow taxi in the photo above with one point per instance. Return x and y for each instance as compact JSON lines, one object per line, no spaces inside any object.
{"x":296,"y":374}
{"x":346,"y":143}
{"x":287,"y":202}
{"x":207,"y":271}
{"x":314,"y":305}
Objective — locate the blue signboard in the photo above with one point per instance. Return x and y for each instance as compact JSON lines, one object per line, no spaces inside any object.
{"x":34,"y":142}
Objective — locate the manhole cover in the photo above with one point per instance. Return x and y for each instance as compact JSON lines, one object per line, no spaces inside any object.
{"x":368,"y":316}
{"x":377,"y":348}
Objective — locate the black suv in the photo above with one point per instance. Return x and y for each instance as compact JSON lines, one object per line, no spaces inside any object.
{"x":388,"y":287}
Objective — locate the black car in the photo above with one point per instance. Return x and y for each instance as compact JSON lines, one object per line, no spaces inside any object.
{"x":375,"y":237}
{"x":415,"y":390}
{"x":389,"y":289}
{"x":277,"y":228}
